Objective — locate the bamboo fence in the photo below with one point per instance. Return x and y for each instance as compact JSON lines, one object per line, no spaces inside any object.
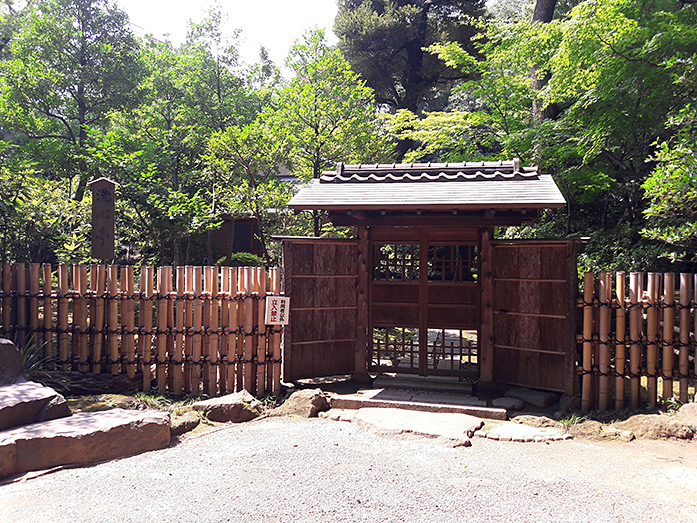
{"x":637,"y":335}
{"x":200,"y":330}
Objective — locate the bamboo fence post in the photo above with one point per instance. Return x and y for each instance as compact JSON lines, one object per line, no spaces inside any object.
{"x":249,"y":370}
{"x":651,"y":336}
{"x":128,"y":320}
{"x":63,"y":340}
{"x":241,"y":303}
{"x":188,"y":323}
{"x":605,"y":292}
{"x":668,"y":333}
{"x":214,"y":339}
{"x":92,"y":292}
{"x":34,"y":302}
{"x":275,"y":349}
{"x":7,"y":301}
{"x":98,"y":284}
{"x":147,"y":289}
{"x":48,"y":312}
{"x":694,"y":325}
{"x":206,"y":345}
{"x":684,"y":354}
{"x":261,"y":331}
{"x":177,"y":358}
{"x":619,"y":338}
{"x":224,"y":327}
{"x":197,"y":325}
{"x":232,"y":326}
{"x":586,"y":394}
{"x":74,"y":324}
{"x":634,"y":336}
{"x":161,"y":360}
{"x":113,"y":318}
{"x":21,"y":289}
{"x":80,"y":317}
{"x":171,"y":297}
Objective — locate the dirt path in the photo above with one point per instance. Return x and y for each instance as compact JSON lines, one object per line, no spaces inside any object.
{"x":320,"y":470}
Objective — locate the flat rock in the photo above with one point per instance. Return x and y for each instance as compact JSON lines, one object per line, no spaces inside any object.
{"x":27,"y":402}
{"x":237,"y":408}
{"x":535,"y":421}
{"x":306,"y":403}
{"x":184,"y":422}
{"x":655,"y":426}
{"x":567,"y":402}
{"x":508,"y":403}
{"x":508,"y":431}
{"x":11,"y":362}
{"x":688,"y":414}
{"x":452,"y":430}
{"x":85,"y":437}
{"x":536,"y":398}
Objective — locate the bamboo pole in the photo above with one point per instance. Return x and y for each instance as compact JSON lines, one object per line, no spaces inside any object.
{"x":21,"y":289}
{"x":635,"y":288}
{"x":34,"y":302}
{"x":214,"y":339}
{"x":170,"y":337}
{"x":241,"y":303}
{"x":113,"y":318}
{"x":668,"y":333}
{"x":232,"y":336}
{"x":147,"y":289}
{"x":177,"y":358}
{"x":206,"y":345}
{"x":694,"y":325}
{"x":224,"y":326}
{"x":249,"y":370}
{"x":63,"y":340}
{"x":80,"y":317}
{"x":197,"y":325}
{"x":98,"y":285}
{"x":652,"y":338}
{"x":128,"y":320}
{"x":188,"y":324}
{"x":261,"y":330}
{"x":7,"y":301}
{"x":605,"y":292}
{"x":684,"y":354}
{"x":275,"y":349}
{"x":48,"y":313}
{"x":586,"y":393}
{"x":161,"y":343}
{"x":619,"y":336}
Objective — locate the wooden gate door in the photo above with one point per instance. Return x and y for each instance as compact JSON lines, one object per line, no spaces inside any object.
{"x":534,"y":333}
{"x":320,"y":276}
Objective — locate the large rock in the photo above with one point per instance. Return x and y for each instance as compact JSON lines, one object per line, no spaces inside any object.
{"x":28,"y":402}
{"x":567,"y":402}
{"x":237,"y":408}
{"x":11,"y":362}
{"x":688,"y":414}
{"x":655,"y":426}
{"x":536,"y":398}
{"x":184,"y":422}
{"x":508,"y":403}
{"x":86,"y":437}
{"x":306,"y":403}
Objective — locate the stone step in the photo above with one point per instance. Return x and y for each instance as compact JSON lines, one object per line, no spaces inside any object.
{"x":85,"y":437}
{"x":28,"y":402}
{"x":433,"y":384}
{"x":417,"y":400}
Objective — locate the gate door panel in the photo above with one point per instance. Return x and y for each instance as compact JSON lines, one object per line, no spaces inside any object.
{"x":320,"y":276}
{"x":534,"y":294}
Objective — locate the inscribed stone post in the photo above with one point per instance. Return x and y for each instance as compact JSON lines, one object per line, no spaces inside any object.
{"x":103,"y":207}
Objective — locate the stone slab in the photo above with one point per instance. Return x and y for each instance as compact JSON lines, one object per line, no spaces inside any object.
{"x":23,"y":403}
{"x":511,"y":431}
{"x":508,"y":403}
{"x":450,"y":429}
{"x":11,"y":362}
{"x":85,"y":437}
{"x":536,"y":398}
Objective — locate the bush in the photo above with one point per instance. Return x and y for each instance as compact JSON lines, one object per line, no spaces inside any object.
{"x":242,"y":259}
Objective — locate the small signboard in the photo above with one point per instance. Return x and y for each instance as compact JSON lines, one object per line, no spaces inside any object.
{"x":277,"y":308}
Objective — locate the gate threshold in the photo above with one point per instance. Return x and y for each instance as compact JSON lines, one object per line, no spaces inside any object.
{"x":424,"y":383}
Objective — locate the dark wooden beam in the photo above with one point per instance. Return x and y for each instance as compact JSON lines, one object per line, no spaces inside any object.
{"x":461,"y":219}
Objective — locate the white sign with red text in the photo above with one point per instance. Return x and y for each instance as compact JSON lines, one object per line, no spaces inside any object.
{"x":277,"y":308}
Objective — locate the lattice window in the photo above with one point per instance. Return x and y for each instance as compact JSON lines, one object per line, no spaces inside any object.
{"x":452,"y":263}
{"x":396,"y":262}
{"x":395,"y":347}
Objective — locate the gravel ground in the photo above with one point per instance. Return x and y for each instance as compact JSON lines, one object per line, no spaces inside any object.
{"x":283,"y":470}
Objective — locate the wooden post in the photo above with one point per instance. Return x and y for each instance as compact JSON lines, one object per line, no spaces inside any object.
{"x":188,"y":323}
{"x":21,"y":289}
{"x":605,"y":292}
{"x":147,"y":289}
{"x":261,"y":331}
{"x":80,"y":317}
{"x":214,"y":339}
{"x":48,"y":312}
{"x":128,"y":319}
{"x":275,"y":342}
{"x":249,"y":371}
{"x":34,"y":303}
{"x":113,"y":318}
{"x":363,"y":337}
{"x":63,"y":339}
{"x":684,"y":354}
{"x":197,"y":325}
{"x":586,"y":392}
{"x":619,"y":336}
{"x":668,"y":333}
{"x":7,"y":301}
{"x":177,"y":357}
{"x":161,"y":362}
{"x":635,"y":292}
{"x":651,"y":336}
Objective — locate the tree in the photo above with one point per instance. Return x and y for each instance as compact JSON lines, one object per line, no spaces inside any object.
{"x":72,"y":62}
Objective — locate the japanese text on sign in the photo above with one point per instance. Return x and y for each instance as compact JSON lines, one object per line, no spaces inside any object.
{"x":277,"y":308}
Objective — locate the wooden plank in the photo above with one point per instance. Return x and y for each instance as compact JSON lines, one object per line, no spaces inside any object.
{"x":48,"y":314}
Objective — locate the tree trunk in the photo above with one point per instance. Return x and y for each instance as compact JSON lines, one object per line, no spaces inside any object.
{"x":543,"y":14}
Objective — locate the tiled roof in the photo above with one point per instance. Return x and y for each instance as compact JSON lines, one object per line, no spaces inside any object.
{"x":452,"y":186}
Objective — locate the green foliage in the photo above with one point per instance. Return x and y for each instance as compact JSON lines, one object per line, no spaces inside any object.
{"x":242,"y":259}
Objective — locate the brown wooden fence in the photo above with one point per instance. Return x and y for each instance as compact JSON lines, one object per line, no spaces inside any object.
{"x":638,"y":342}
{"x":200,"y":330}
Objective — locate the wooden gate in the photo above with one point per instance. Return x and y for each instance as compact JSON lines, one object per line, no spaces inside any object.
{"x":535,"y":285}
{"x":320,"y":276}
